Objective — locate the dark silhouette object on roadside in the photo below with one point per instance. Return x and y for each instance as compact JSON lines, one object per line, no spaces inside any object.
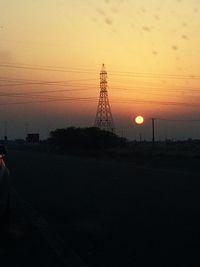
{"x":33,"y":138}
{"x":4,"y":195}
{"x":85,"y":138}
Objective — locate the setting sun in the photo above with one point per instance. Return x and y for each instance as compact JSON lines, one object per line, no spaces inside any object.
{"x":139,"y":119}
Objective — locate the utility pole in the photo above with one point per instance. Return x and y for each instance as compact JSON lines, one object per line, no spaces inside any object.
{"x":153,"y":131}
{"x":5,"y":131}
{"x":140,"y":135}
{"x":104,"y":119}
{"x":26,"y":129}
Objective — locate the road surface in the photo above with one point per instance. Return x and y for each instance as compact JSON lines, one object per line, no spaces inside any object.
{"x":109,"y":213}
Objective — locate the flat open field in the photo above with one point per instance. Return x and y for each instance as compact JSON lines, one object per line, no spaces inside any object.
{"x":114,"y":213}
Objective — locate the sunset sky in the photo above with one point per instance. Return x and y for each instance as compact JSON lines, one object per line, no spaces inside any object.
{"x":51,"y":52}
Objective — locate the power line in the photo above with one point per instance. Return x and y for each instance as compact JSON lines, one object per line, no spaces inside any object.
{"x":33,"y":93}
{"x":43,"y":93}
{"x":84,"y":87}
{"x":41,"y":68}
{"x":51,"y":100}
{"x":39,"y":92}
{"x":178,"y":120}
{"x":37,"y":82}
{"x":65,"y":83}
{"x":152,"y":102}
{"x":79,"y":70}
{"x":94,"y":99}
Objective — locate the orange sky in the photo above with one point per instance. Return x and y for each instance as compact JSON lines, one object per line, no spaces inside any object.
{"x":51,"y":53}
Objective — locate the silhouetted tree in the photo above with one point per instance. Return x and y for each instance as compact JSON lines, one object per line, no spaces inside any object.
{"x":85,"y":138}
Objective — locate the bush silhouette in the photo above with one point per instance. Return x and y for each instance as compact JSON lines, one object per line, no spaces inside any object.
{"x":85,"y":138}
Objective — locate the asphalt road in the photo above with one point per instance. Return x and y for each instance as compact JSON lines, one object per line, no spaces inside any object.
{"x":25,"y":245}
{"x":109,"y":213}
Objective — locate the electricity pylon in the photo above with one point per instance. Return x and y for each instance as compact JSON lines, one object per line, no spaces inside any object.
{"x":104,"y":119}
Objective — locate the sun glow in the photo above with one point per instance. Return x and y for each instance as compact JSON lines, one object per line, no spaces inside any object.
{"x":139,"y":119}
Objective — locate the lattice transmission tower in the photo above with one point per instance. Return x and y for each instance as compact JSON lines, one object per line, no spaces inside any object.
{"x":104,"y":119}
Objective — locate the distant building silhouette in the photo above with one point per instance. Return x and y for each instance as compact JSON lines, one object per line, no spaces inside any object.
{"x":33,"y":138}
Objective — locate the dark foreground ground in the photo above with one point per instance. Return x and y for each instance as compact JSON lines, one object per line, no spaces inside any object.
{"x":25,"y":246}
{"x":103,"y":213}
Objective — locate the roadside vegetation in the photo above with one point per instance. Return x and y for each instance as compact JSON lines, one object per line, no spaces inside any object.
{"x":94,"y":142}
{"x":84,"y":139}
